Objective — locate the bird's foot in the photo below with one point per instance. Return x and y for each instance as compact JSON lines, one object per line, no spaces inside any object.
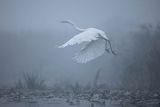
{"x":114,"y":53}
{"x":107,"y":50}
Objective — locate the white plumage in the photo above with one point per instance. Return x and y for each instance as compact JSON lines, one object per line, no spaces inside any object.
{"x":96,"y":43}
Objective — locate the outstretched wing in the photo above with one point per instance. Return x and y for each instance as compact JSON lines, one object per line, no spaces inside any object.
{"x":91,"y":51}
{"x":85,"y":36}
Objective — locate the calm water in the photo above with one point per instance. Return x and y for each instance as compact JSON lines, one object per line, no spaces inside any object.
{"x":62,"y":104}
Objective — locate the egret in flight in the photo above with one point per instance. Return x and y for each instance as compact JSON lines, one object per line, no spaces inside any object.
{"x":96,"y":43}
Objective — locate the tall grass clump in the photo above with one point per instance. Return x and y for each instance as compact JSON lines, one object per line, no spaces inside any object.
{"x":31,"y":80}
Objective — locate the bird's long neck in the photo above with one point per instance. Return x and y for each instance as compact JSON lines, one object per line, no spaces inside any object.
{"x":75,"y":26}
{"x":110,"y":46}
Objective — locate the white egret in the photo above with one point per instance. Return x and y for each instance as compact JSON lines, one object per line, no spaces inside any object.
{"x":96,"y":43}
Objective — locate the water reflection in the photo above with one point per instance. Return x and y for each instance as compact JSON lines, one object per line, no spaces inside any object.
{"x":31,"y":105}
{"x":64,"y":104}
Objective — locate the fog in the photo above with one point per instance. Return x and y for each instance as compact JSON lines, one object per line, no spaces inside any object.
{"x":30,"y":32}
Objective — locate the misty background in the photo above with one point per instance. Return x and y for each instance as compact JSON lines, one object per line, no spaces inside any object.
{"x":30,"y":31}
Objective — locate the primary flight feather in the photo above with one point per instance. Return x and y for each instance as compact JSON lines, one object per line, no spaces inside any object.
{"x":96,"y":43}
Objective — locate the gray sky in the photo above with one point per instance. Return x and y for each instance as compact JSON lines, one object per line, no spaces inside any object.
{"x":30,"y":31}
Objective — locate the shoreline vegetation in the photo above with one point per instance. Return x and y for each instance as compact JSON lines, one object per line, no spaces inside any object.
{"x":99,"y":96}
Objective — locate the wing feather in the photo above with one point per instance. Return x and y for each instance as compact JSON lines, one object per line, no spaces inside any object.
{"x":85,"y":36}
{"x":91,"y":51}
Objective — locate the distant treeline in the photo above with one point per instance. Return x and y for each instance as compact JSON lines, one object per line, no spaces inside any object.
{"x":143,"y":71}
